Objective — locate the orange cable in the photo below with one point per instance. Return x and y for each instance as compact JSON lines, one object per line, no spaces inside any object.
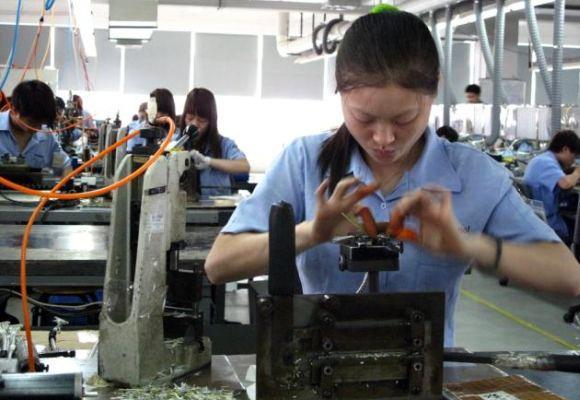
{"x":25,"y":238}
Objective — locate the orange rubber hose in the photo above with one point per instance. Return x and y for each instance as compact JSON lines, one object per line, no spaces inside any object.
{"x":124,"y":181}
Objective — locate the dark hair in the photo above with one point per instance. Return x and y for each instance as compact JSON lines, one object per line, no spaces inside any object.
{"x":201,"y":102}
{"x":448,"y":133}
{"x":135,"y":117}
{"x":35,"y":100}
{"x":60,"y":106}
{"x":473,"y":88}
{"x":565,"y":138}
{"x":78,"y":101}
{"x":391,"y":47}
{"x":165,"y":102}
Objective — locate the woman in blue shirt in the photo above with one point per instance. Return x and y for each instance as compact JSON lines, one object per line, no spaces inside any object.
{"x":387,"y":73}
{"x":216,"y":156}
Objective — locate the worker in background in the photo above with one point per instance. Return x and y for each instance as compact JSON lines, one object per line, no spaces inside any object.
{"x":547,"y":180}
{"x":88,"y":123}
{"x":216,"y":156}
{"x":448,"y":133}
{"x":24,"y":130}
{"x":474,"y":212}
{"x":62,"y":122}
{"x":473,"y":94}
{"x":137,"y":124}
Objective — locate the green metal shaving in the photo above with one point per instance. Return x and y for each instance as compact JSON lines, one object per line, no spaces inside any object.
{"x":173,"y":392}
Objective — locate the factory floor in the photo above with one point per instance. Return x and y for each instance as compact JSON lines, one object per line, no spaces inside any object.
{"x":488,"y":317}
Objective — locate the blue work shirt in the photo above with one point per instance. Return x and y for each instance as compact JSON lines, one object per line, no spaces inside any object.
{"x":542,"y":176}
{"x":39,"y":151}
{"x":137,"y":140}
{"x":483,"y":197}
{"x":214,"y":182}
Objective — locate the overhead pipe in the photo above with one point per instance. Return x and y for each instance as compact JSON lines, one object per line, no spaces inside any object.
{"x":537,"y":46}
{"x":448,"y":96}
{"x":497,"y":72}
{"x":484,"y":41}
{"x":297,"y":46}
{"x":557,"y":60}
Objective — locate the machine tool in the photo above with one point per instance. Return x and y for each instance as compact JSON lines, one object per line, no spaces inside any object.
{"x":139,"y":343}
{"x":337,"y":346}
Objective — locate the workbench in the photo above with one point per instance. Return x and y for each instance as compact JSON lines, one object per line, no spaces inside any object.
{"x":230,"y":372}
{"x":206,"y":212}
{"x":76,"y":255}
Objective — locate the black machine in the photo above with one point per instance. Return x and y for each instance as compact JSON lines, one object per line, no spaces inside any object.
{"x":367,"y":346}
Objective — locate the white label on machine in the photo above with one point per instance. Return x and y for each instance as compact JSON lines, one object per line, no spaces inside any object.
{"x":501,"y":395}
{"x":156,"y":223}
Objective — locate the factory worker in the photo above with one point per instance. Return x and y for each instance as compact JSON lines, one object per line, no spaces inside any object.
{"x":88,"y":122}
{"x":137,"y":124}
{"x":387,"y":88}
{"x":547,"y":180}
{"x":33,"y":106}
{"x":216,"y":156}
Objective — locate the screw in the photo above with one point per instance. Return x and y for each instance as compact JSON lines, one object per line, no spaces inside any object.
{"x":326,"y":393}
{"x":418,"y":366}
{"x":417,"y":342}
{"x":415,"y":390}
{"x":327,"y":344}
{"x":417,"y":316}
{"x":328,"y":319}
{"x":327,"y":370}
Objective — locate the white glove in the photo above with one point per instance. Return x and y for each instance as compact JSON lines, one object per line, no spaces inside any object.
{"x":199,"y":160}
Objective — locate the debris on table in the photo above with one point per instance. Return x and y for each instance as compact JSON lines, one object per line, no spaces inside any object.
{"x":173,"y":392}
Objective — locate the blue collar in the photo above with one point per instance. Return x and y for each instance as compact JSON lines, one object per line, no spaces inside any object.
{"x":432,"y":168}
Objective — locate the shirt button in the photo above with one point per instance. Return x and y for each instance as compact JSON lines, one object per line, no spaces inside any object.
{"x":384,"y":206}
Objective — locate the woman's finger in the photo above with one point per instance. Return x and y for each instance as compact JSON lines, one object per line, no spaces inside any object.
{"x":321,"y":191}
{"x":343,"y":186}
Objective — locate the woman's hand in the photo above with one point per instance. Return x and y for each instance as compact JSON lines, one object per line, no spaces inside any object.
{"x":329,"y":221}
{"x":439,"y":230}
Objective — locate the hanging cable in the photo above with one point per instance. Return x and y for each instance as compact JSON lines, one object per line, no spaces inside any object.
{"x":48,"y":4}
{"x":8,"y":67}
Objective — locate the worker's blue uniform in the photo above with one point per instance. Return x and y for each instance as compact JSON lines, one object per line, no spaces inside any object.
{"x":39,"y":151}
{"x":214,"y":182}
{"x":483,"y":197}
{"x":137,"y":140}
{"x":542,"y":176}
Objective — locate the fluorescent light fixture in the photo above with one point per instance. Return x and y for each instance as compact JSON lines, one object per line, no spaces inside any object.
{"x":119,"y":33}
{"x":83,"y":15}
{"x":132,"y":20}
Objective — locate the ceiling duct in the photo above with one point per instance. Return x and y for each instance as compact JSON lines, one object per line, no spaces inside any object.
{"x":131,"y":22}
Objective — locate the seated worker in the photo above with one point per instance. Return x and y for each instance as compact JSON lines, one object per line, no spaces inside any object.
{"x":473,"y":94}
{"x":136,"y":124}
{"x":448,"y":133}
{"x":385,"y":144}
{"x":24,"y":129}
{"x":216,"y":156}
{"x":61,"y":122}
{"x":88,"y":122}
{"x":547,"y":180}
